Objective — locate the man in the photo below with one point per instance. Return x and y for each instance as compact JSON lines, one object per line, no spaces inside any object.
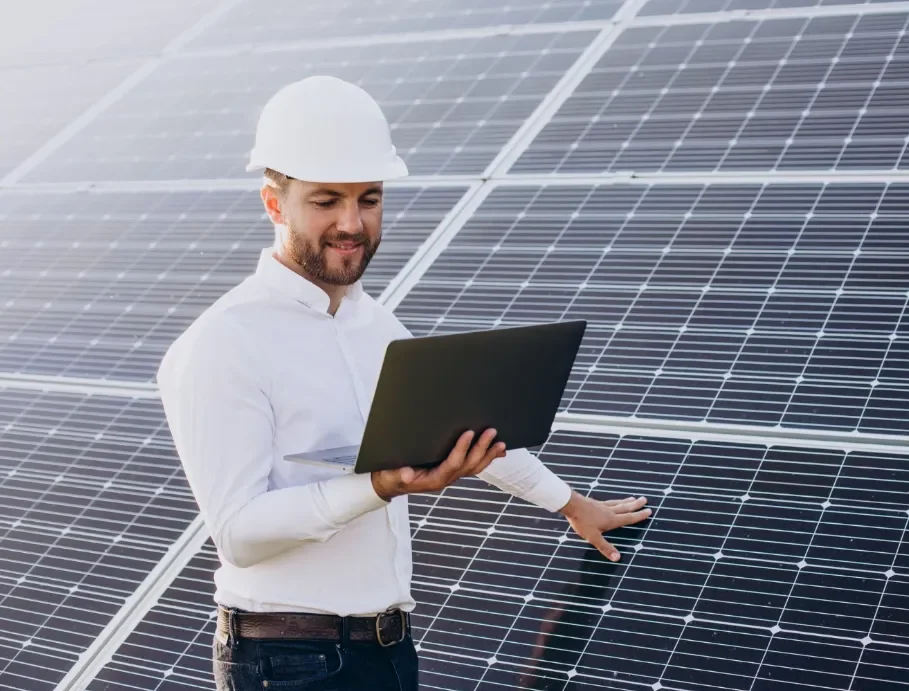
{"x":314,"y":583}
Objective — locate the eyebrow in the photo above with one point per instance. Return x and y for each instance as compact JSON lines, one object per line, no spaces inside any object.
{"x":325,"y":192}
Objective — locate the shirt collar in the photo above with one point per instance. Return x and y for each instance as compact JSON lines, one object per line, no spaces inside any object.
{"x":288,"y":282}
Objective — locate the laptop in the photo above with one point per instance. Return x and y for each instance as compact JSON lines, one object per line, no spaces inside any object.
{"x":431,"y":389}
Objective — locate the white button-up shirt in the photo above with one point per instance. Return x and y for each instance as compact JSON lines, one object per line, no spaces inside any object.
{"x":266,"y":371}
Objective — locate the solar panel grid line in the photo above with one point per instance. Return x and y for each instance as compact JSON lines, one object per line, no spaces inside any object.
{"x":448,"y":654}
{"x":390,"y":39}
{"x":772,"y":80}
{"x":769,"y":293}
{"x":379,"y":19}
{"x":631,"y":303}
{"x":868,"y":638}
{"x":414,"y":533}
{"x":482,"y":265}
{"x":468,"y":86}
{"x":228,"y":184}
{"x":716,"y":431}
{"x":532,"y":127}
{"x":762,"y":500}
{"x":792,"y":587}
{"x":414,"y":270}
{"x":430,"y":247}
{"x":656,"y":102}
{"x":854,"y":565}
{"x":131,"y":82}
{"x":833,"y":10}
{"x":64,"y":384}
{"x":816,"y":344}
{"x":772,"y":284}
{"x":643,"y":537}
{"x":784,"y":133}
{"x":868,"y":98}
{"x":135,"y":608}
{"x":183,"y":252}
{"x":719,"y":178}
{"x":445,"y":536}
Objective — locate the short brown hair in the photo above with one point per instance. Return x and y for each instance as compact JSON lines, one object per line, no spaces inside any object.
{"x":278,"y":180}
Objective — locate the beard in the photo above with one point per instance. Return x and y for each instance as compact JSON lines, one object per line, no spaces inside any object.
{"x":314,"y":257}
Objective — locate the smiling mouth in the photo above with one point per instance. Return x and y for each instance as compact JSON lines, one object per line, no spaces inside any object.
{"x":346,"y":247}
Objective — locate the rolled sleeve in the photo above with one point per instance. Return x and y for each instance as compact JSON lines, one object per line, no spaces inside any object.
{"x":524,"y":475}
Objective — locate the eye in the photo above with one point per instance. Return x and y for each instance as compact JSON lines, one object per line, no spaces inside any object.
{"x":372,"y":201}
{"x":325,"y":205}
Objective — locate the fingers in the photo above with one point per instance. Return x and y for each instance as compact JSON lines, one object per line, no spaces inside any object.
{"x":632,"y":518}
{"x":605,"y":548}
{"x":447,"y":470}
{"x":628,"y":505}
{"x":482,"y":454}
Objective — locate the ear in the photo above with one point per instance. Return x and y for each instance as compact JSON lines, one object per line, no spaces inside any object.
{"x":272,"y":204}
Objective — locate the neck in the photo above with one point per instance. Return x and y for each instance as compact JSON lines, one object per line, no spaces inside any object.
{"x":335,"y":292}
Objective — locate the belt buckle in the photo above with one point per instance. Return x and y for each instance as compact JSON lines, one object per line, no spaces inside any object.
{"x":379,"y":627}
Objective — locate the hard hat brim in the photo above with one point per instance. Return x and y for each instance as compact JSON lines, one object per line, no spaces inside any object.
{"x":392,"y":170}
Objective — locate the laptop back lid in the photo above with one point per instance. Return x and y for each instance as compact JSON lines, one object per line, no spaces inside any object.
{"x":432,"y":389}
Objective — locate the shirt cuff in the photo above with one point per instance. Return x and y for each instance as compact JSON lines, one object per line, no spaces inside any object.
{"x":550,"y":493}
{"x":349,"y":496}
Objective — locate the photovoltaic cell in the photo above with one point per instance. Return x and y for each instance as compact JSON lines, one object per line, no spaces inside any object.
{"x":816,"y":93}
{"x":292,"y":21}
{"x":760,"y":304}
{"x":452,"y":105}
{"x":41,"y":101}
{"x":170,"y":649}
{"x":99,"y":285}
{"x":761,"y":567}
{"x":75,"y":32}
{"x":91,"y":498}
{"x":666,"y":7}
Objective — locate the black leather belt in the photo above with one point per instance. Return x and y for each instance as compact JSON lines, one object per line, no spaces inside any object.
{"x":385,"y":629}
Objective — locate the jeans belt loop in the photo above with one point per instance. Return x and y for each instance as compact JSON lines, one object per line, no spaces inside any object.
{"x":345,"y":632}
{"x":233,"y":628}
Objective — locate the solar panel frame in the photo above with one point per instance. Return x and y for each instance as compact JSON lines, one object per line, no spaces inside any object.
{"x":718,"y":97}
{"x":452,"y":105}
{"x":291,"y":21}
{"x":98,"y":284}
{"x":92,"y":496}
{"x":731,"y":338}
{"x":717,"y":569}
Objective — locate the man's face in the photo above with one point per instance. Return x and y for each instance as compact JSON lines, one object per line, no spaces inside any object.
{"x":332,"y":230}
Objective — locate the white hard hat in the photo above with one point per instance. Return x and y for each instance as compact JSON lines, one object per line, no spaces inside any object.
{"x":323,"y":129}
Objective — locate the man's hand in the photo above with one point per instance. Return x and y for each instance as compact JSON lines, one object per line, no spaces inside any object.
{"x":460,"y":463}
{"x":591,"y":518}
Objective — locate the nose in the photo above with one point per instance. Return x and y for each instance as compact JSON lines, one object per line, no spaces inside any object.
{"x":349,"y":219}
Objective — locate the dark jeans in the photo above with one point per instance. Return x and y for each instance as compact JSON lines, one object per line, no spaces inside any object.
{"x":292,"y":664}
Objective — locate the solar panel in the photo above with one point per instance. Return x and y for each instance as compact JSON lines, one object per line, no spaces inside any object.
{"x":98,"y":285}
{"x":762,"y":567}
{"x":70,"y":32}
{"x":653,"y":8}
{"x":293,"y":21}
{"x":40,"y":101}
{"x":170,"y":649}
{"x":777,"y":298}
{"x":777,"y":94}
{"x":91,"y":498}
{"x":760,"y":303}
{"x":452,"y":105}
